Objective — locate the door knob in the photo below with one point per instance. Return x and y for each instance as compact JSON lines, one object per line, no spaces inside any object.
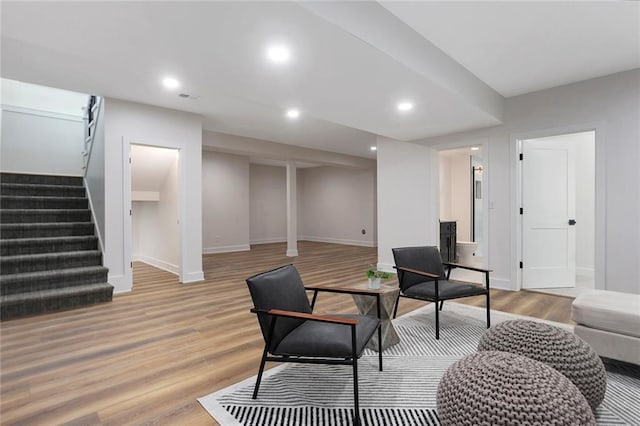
{"x":572,"y":222}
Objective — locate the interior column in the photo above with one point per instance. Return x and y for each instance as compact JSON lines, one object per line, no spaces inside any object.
{"x":292,"y":210}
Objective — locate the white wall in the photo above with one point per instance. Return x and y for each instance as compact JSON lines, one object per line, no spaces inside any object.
{"x":585,"y":204}
{"x":225,"y":202}
{"x":609,"y":104}
{"x":42,"y":129}
{"x":455,"y":192}
{"x":34,"y":97}
{"x":461,"y":196}
{"x":444,"y":180}
{"x":126,"y":123}
{"x":267,"y":204}
{"x":336,"y":204}
{"x":155,"y":226}
{"x":37,"y":142}
{"x":407,"y":209}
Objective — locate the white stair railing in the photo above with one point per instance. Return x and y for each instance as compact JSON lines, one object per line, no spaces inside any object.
{"x":91,"y":120}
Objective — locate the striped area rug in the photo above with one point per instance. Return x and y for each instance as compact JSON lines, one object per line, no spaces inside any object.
{"x":403,"y":394}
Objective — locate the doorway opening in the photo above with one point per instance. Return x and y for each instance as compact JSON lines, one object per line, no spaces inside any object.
{"x":558,"y":213}
{"x":155,"y":221}
{"x":463,"y":209}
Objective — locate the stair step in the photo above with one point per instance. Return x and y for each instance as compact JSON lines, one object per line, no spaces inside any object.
{"x":44,"y":215}
{"x":49,"y":261}
{"x":43,"y":230}
{"x":31,"y":202}
{"x":47,"y":280}
{"x":41,"y":190}
{"x":25,"y":178}
{"x":24,"y":304}
{"x":49,"y":257}
{"x":17,"y":246}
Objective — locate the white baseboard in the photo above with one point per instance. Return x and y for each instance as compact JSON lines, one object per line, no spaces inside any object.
{"x":268,"y":241}
{"x":585,"y":272}
{"x":119,"y":284}
{"x":338,"y":241}
{"x":502,"y":284}
{"x":226,"y":249}
{"x":192,"y":277}
{"x":160,"y":264}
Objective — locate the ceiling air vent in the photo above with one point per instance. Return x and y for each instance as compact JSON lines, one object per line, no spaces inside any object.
{"x":188,"y":96}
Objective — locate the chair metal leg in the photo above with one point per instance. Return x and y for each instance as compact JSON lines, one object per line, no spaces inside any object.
{"x":437,"y":323}
{"x":441,"y":304}
{"x":356,"y":399}
{"x":356,"y":403}
{"x":260,"y":371}
{"x":379,"y":332}
{"x":265,"y":352}
{"x":380,"y":347}
{"x":488,"y":312}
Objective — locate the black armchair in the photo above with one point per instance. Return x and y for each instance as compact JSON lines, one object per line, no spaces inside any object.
{"x":421,"y":276}
{"x":292,"y":333}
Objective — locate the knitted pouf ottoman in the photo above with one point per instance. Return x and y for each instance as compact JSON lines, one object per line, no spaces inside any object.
{"x":554,"y":346}
{"x":500,"y":388}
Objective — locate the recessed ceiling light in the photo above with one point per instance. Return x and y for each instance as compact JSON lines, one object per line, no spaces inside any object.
{"x":405,"y":106}
{"x":374,"y":148}
{"x":170,"y":83}
{"x":293,"y":113}
{"x":474,"y":148}
{"x":278,"y":53}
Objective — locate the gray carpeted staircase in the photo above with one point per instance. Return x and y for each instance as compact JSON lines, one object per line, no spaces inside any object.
{"x":49,"y":253}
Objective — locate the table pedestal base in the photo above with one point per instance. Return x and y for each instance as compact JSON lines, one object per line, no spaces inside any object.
{"x":367,"y":306}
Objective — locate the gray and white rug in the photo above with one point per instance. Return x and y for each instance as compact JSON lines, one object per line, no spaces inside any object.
{"x":403,"y":394}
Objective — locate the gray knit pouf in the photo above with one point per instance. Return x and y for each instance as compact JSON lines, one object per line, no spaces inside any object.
{"x":500,"y":388}
{"x":554,"y":346}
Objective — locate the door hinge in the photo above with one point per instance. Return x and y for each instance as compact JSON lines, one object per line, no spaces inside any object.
{"x":521,"y":156}
{"x":521,"y":265}
{"x":130,"y":212}
{"x":129,"y":160}
{"x":131,"y":265}
{"x":521,"y":210}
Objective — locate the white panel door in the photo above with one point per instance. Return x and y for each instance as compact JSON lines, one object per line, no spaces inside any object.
{"x":549,"y":203}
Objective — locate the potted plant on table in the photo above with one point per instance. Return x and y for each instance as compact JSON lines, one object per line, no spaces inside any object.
{"x":375,"y":277}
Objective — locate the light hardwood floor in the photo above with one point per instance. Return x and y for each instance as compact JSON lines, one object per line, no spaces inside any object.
{"x":147,"y":356}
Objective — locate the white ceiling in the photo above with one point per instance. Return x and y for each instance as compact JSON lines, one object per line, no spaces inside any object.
{"x":351,"y":61}
{"x":520,"y":47}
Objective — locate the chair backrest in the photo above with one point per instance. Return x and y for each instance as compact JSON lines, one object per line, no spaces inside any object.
{"x":425,"y":258}
{"x":280,"y":288}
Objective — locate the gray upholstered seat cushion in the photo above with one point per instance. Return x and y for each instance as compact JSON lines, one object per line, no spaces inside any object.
{"x":319,"y":339}
{"x":446,"y":290}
